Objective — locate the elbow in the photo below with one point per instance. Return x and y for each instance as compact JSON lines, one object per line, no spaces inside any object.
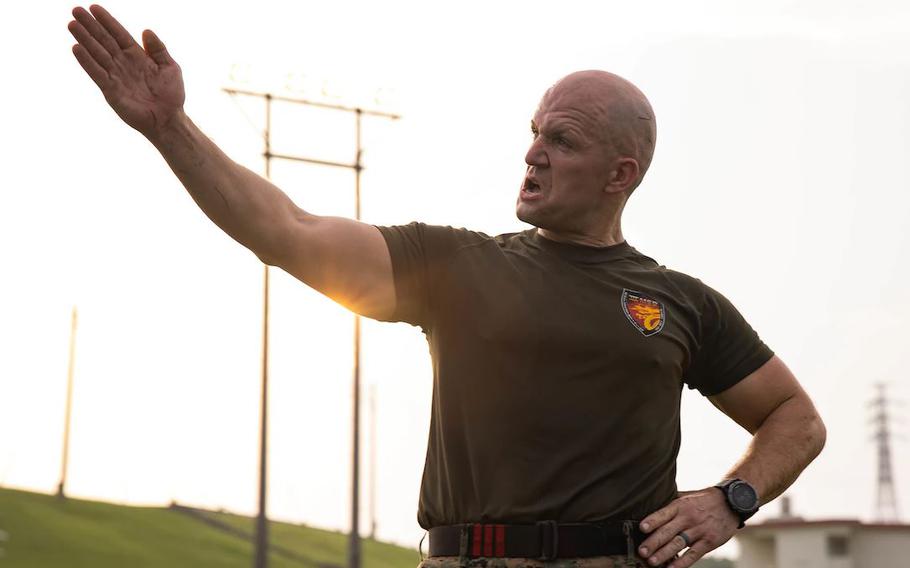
{"x":266,"y":258}
{"x":279,"y":242}
{"x":270,"y":244}
{"x":818,"y":435}
{"x":808,"y":431}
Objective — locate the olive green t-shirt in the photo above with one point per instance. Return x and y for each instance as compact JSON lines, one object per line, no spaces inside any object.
{"x":557,"y":372}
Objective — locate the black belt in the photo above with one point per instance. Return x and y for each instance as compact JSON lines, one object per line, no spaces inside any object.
{"x":545,"y":540}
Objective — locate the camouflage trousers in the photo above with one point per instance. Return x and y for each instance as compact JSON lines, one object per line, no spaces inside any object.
{"x":621,"y":561}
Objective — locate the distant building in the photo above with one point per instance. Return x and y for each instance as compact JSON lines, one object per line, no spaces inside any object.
{"x":791,"y":542}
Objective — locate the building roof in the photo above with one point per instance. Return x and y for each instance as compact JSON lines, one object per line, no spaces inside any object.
{"x":797,"y":522}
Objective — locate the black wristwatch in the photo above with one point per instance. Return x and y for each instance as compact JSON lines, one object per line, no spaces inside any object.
{"x":741,"y":498}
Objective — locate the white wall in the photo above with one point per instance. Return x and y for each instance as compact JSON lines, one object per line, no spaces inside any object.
{"x":807,"y":547}
{"x":756,"y":552}
{"x":881,"y":547}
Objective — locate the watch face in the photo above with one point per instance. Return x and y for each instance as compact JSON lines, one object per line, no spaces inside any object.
{"x":743,"y":496}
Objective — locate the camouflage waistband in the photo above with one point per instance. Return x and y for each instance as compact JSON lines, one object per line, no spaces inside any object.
{"x":621,"y":561}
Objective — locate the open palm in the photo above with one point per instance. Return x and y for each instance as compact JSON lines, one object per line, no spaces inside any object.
{"x":143,"y":85}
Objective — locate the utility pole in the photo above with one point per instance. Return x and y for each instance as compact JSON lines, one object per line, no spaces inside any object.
{"x":61,"y":487}
{"x":373,"y":462}
{"x":357,"y":166}
{"x":886,"y":496}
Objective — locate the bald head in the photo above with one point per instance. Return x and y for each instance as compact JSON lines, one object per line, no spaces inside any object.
{"x":623,"y":114}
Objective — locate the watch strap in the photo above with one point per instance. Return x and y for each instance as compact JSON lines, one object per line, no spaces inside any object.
{"x":743,"y":515}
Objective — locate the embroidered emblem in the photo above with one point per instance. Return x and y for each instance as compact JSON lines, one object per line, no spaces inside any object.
{"x":646,"y":314}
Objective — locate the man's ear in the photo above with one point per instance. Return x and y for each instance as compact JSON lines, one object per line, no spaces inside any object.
{"x":624,"y":176}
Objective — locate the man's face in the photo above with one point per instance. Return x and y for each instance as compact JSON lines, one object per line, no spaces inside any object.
{"x":569,"y":162}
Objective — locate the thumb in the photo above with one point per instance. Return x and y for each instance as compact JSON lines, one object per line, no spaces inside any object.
{"x":155,"y":48}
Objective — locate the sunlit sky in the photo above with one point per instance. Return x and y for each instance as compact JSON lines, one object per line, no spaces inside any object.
{"x":780,"y":178}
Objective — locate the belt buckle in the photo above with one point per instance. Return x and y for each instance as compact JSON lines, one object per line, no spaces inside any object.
{"x":549,"y":539}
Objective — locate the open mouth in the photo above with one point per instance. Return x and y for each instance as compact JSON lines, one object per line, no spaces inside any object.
{"x":530,"y":186}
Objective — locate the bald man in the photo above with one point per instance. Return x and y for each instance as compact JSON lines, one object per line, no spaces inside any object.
{"x":559,"y":353}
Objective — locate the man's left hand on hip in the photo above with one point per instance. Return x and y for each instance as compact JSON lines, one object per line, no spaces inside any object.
{"x":698,"y":520}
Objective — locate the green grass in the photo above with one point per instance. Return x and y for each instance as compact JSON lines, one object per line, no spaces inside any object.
{"x":324,"y":547}
{"x":47,"y":532}
{"x":50,"y":533}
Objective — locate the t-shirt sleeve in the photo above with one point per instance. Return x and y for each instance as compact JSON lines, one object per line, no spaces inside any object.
{"x":420,"y":255}
{"x":728,"y":349}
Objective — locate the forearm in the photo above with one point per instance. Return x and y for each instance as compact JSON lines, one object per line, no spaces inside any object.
{"x":781,"y":448}
{"x":243,"y":204}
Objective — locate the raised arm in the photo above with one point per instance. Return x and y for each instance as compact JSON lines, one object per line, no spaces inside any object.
{"x":344,"y":259}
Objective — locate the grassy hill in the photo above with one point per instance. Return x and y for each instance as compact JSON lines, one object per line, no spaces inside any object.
{"x":46,"y":532}
{"x":49,"y":533}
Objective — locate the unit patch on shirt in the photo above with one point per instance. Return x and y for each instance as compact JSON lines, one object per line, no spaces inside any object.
{"x":646,"y":314}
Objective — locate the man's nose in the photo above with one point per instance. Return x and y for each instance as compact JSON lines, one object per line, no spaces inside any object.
{"x":537,"y":154}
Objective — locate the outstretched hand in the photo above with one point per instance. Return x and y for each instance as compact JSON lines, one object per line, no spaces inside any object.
{"x":702,"y":516}
{"x":143,"y":84}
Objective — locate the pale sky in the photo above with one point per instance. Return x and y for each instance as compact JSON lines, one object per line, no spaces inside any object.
{"x":780,"y":178}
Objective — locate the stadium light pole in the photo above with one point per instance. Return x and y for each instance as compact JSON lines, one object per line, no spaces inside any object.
{"x":61,"y":487}
{"x":354,"y":555}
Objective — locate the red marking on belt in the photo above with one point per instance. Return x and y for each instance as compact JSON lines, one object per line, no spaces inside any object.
{"x":500,"y":541}
{"x":488,"y":540}
{"x":476,"y":540}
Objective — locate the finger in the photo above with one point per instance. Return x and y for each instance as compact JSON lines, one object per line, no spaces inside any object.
{"x":113,"y":27}
{"x":661,"y":528}
{"x":674,"y":546}
{"x":668,"y":535}
{"x":661,"y":547}
{"x":95,"y":71}
{"x":659,"y":517}
{"x":696,"y":551}
{"x":92,"y":47}
{"x":155,"y":48}
{"x":96,"y":30}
